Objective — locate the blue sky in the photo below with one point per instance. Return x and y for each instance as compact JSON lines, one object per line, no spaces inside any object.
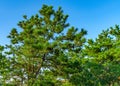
{"x":92,"y":15}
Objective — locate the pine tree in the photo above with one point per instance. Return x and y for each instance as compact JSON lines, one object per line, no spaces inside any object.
{"x":104,"y":51}
{"x":42,"y":50}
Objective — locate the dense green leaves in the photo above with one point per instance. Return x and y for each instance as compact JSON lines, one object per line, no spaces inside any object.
{"x":104,"y":51}
{"x":48,"y":52}
{"x":42,"y":46}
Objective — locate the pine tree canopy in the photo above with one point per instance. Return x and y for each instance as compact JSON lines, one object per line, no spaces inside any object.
{"x":47,"y":51}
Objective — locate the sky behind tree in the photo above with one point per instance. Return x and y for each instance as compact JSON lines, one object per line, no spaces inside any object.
{"x":92,"y":15}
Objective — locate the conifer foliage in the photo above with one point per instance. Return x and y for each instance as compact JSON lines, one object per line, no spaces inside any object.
{"x":41,"y":49}
{"x":46,"y":51}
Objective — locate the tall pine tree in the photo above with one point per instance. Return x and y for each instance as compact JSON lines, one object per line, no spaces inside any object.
{"x":41,"y":51}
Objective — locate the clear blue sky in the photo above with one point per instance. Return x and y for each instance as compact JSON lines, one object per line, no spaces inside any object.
{"x":93,"y":15}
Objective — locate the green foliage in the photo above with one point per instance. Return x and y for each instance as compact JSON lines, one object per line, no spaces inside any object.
{"x":43,"y":54}
{"x":43,"y":46}
{"x":105,"y":52}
